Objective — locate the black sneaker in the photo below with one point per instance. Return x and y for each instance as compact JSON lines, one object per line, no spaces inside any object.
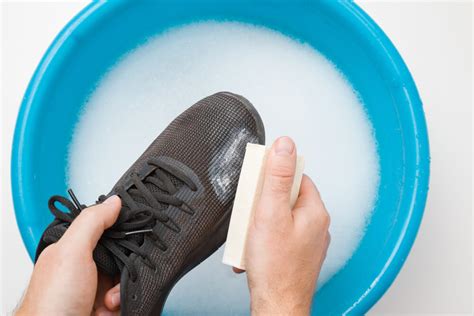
{"x":176,"y":201}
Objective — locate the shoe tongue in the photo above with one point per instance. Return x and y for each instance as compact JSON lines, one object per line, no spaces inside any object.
{"x":153,"y":188}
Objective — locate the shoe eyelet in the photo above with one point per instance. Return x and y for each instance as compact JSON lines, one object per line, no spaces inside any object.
{"x":134,"y":297}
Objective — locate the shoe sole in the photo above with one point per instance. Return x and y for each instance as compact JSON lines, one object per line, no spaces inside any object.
{"x":217,"y":236}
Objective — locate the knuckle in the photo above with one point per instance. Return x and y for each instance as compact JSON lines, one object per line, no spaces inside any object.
{"x":281,"y":184}
{"x":87,"y":215}
{"x":325,"y":219}
{"x":282,"y":169}
{"x":317,"y":194}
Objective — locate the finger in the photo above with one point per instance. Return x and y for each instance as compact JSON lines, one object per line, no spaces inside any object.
{"x":104,"y":284}
{"x":326,"y":246}
{"x":102,"y":311}
{"x":278,"y":178}
{"x":237,"y":270}
{"x":112,"y":298}
{"x":309,"y":207}
{"x":86,"y":230}
{"x":308,"y":195}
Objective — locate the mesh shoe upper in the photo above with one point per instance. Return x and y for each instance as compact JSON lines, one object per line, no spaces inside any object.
{"x":199,"y":156}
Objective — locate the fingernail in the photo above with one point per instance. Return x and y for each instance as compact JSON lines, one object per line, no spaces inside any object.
{"x":115,"y":298}
{"x":284,"y":146}
{"x":111,"y":200}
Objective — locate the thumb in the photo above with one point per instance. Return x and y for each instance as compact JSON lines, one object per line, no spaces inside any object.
{"x":86,"y":230}
{"x":278,"y":178}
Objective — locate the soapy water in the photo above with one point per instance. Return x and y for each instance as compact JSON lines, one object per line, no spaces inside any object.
{"x":295,"y":89}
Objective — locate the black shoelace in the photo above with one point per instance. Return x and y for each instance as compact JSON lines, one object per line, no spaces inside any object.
{"x":135,"y":217}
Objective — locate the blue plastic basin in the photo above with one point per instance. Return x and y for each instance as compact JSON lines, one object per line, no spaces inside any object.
{"x":103,"y":32}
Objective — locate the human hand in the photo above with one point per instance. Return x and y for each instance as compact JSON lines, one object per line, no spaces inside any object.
{"x":285,"y":247}
{"x":65,"y":279}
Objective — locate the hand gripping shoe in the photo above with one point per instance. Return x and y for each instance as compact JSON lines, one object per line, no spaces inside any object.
{"x":176,"y":201}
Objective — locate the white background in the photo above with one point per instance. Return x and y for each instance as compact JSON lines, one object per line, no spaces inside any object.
{"x":435,"y":40}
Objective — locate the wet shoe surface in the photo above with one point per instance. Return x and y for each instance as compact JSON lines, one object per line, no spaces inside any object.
{"x":176,"y":201}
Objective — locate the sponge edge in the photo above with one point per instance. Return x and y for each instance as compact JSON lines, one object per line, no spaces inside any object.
{"x":249,"y":190}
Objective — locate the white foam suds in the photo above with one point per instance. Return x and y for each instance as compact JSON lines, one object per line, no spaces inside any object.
{"x":295,"y":89}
